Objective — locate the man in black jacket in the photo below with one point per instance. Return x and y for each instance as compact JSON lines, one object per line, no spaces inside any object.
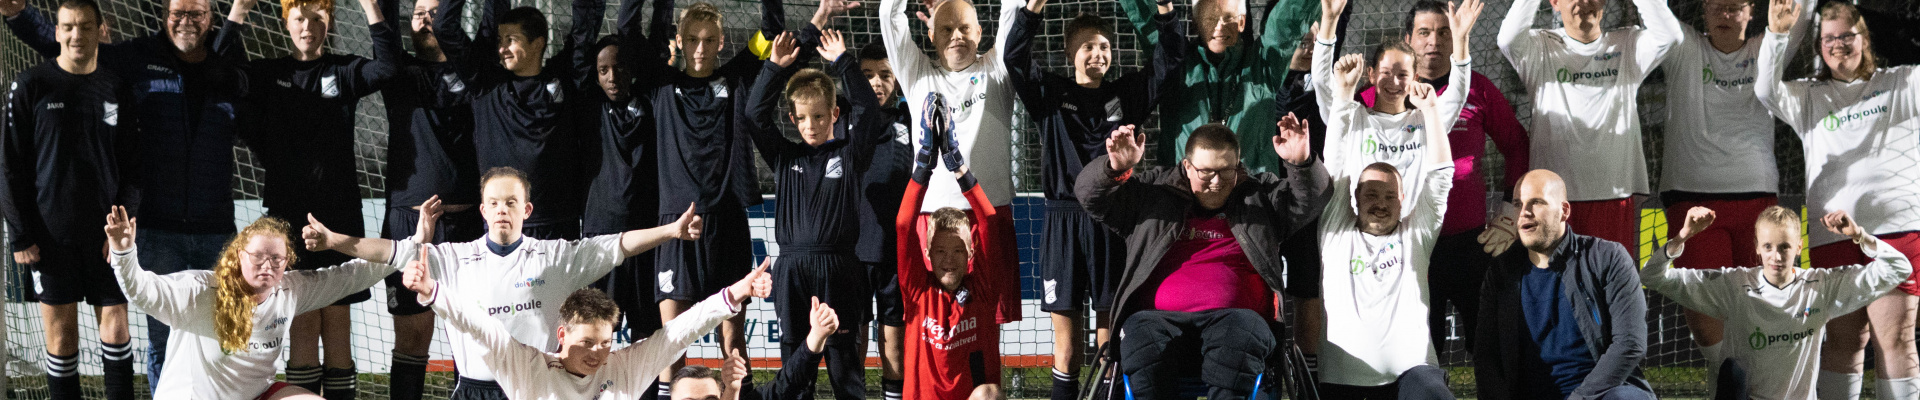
{"x":1192,"y":231}
{"x":1567,"y":316}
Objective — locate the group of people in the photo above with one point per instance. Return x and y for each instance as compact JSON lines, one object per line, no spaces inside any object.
{"x":1368,"y":208}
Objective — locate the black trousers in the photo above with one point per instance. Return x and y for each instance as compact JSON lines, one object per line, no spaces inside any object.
{"x":1732,"y":384}
{"x":1424,"y":382}
{"x":839,"y":280}
{"x":1156,"y":347}
{"x":474,"y":389}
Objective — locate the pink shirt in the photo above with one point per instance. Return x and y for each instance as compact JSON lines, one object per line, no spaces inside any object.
{"x":1487,"y":114}
{"x":1207,"y":270}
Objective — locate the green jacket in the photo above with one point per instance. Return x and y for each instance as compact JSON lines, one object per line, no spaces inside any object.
{"x":1238,"y":87}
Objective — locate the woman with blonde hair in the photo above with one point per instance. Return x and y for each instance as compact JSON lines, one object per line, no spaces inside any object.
{"x":250,"y":298}
{"x":1857,"y":122}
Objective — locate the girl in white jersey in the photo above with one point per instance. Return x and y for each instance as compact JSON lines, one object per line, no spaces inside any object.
{"x":1780,"y":311}
{"x":1393,"y":131}
{"x":229,"y":323}
{"x":1858,"y":124}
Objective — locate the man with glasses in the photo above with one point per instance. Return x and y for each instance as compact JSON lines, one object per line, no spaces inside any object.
{"x":184,"y":90}
{"x":1202,"y":264}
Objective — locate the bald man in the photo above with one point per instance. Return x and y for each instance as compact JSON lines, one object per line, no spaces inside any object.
{"x":1566,"y":315}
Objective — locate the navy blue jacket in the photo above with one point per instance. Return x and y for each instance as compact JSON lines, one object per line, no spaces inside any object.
{"x":1601,"y":281}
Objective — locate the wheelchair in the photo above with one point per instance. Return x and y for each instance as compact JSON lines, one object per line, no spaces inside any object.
{"x":1286,"y":376}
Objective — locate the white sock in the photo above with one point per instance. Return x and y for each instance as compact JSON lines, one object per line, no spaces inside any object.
{"x":1895,"y":389}
{"x":1714,"y":359}
{"x":1838,"y":386}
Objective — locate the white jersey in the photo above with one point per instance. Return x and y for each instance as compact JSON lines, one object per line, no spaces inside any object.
{"x":1374,"y":288}
{"x":1860,"y":141}
{"x":529,"y":373}
{"x":197,"y":368}
{"x":1586,"y":119}
{"x":523,"y":290}
{"x":1719,"y":138}
{"x":979,"y":98}
{"x":1358,"y":136}
{"x":1781,"y":325}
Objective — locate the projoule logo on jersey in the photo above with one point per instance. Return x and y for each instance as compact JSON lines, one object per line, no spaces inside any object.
{"x":1759,"y":340}
{"x":529,"y":282}
{"x":530,"y":305}
{"x":1833,"y":122}
{"x":1606,"y":56}
{"x":1374,"y":144}
{"x":1568,"y":76}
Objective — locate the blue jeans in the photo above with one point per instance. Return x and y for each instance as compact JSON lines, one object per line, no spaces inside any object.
{"x":164,"y":252}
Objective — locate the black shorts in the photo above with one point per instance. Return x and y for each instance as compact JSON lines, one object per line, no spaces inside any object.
{"x":691,"y":270}
{"x":71,"y":274}
{"x":401,"y":224}
{"x":630,"y":284}
{"x":340,"y":222}
{"x":1302,"y":255}
{"x":837,"y":279}
{"x":885,"y":281}
{"x":1078,"y":259}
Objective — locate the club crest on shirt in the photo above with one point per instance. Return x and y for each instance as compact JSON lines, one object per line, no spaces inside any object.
{"x":833,"y":168}
{"x":110,"y":113}
{"x":329,"y":86}
{"x":454,"y":84}
{"x":666,"y":281}
{"x":1050,"y":285}
{"x":553,"y":89}
{"x":1114,"y":111}
{"x":719,"y":87}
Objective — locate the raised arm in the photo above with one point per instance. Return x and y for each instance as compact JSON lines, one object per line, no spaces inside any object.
{"x":1852,"y":287}
{"x":315,"y":289}
{"x":664,"y":346}
{"x":318,"y":237}
{"x":773,"y":22}
{"x":867,"y":129}
{"x":364,"y":77}
{"x":168,"y":298}
{"x":19,"y":155}
{"x":31,"y":27}
{"x":908,"y":61}
{"x":1627,"y":307}
{"x":1140,"y":13}
{"x":507,"y":356}
{"x":1023,"y":70}
{"x":1301,"y":194}
{"x":1697,"y":289}
{"x":1107,"y":188}
{"x":1661,"y":34}
{"x":1168,"y":53}
{"x":1461,"y":19}
{"x":638,"y":241}
{"x":1787,"y":100}
{"x":1514,"y":38}
{"x":582,"y":60}
{"x":476,"y":57}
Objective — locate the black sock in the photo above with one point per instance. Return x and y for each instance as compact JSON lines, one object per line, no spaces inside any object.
{"x":409,"y":377}
{"x":63,"y":376}
{"x":1065,"y":386}
{"x":305,"y":377}
{"x":341,"y":384}
{"x":116,"y":361}
{"x":892,"y":388}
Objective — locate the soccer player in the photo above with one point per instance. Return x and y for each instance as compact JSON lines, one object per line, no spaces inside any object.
{"x":65,"y":153}
{"x":586,"y":366}
{"x":1586,"y":123}
{"x":1857,"y":124}
{"x":513,"y":276}
{"x":233,"y":319}
{"x":1785,"y":309}
{"x":951,"y":291}
{"x":818,"y":184}
{"x":309,"y":160}
{"x":1075,"y":113}
{"x":186,"y":126}
{"x":429,"y":153}
{"x":886,"y":179}
{"x":622,"y":195}
{"x":1563,"y":318}
{"x":732,"y":383}
{"x":1392,"y":130}
{"x":976,"y":86}
{"x":1223,"y":80}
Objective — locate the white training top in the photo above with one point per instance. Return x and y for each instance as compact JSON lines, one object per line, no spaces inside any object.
{"x":1374,"y":288}
{"x":1860,"y":140}
{"x":529,"y":373}
{"x":523,"y":290}
{"x":197,"y":368}
{"x":1719,"y":138}
{"x":1586,"y":119}
{"x":1358,"y":136}
{"x":1782,"y":326}
{"x":979,"y":98}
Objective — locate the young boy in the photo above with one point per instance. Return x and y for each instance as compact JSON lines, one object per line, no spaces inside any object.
{"x":732,"y":383}
{"x":514,"y":277}
{"x":1075,"y":113}
{"x":1583,"y":80}
{"x":1781,"y":310}
{"x":886,"y":179}
{"x":66,"y":151}
{"x":623,"y":192}
{"x":952,"y":290}
{"x":818,"y":184}
{"x":300,"y":122}
{"x":586,"y":366}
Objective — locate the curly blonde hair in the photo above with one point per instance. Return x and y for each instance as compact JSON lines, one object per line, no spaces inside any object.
{"x":233,"y":309}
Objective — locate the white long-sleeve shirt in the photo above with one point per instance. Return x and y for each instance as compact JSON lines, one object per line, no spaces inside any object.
{"x":1358,"y":136}
{"x":1719,"y":138}
{"x":529,"y":373}
{"x":978,"y":97}
{"x":522,"y":290}
{"x":1374,"y":288}
{"x":1859,"y":137}
{"x":1773,"y":332}
{"x":197,"y":368}
{"x":1586,"y":120}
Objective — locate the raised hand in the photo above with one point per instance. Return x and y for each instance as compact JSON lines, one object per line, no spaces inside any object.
{"x":1423,"y":97}
{"x":120,"y":229}
{"x":922,"y":15}
{"x":831,"y":8}
{"x":954,"y":157}
{"x":1782,"y":14}
{"x":1124,"y":148}
{"x":1841,"y":223}
{"x":1348,"y":72}
{"x":784,"y":50}
{"x":832,"y":45}
{"x":1698,"y":219}
{"x":735,"y":373}
{"x":688,"y":226}
{"x":1330,"y":18}
{"x":429,"y":218}
{"x":1290,"y":142}
{"x":317,"y":236}
{"x":758,"y":283}
{"x":824,"y":322}
{"x":418,"y":275}
{"x":1500,"y":232}
{"x":1460,"y":17}
{"x":12,"y":8}
{"x":239,"y":11}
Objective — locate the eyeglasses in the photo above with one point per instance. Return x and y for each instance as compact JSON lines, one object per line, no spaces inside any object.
{"x":1836,"y":40}
{"x":279,"y":260}
{"x":1727,"y":8}
{"x":177,"y":15}
{"x":1215,"y":173}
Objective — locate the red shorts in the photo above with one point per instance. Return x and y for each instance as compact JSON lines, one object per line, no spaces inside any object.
{"x":1003,"y":233}
{"x":276,"y":387}
{"x":1616,"y":220}
{"x":1846,"y":253}
{"x":1729,"y":242}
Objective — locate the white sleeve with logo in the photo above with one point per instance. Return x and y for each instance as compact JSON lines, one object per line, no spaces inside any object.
{"x":580,"y":262}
